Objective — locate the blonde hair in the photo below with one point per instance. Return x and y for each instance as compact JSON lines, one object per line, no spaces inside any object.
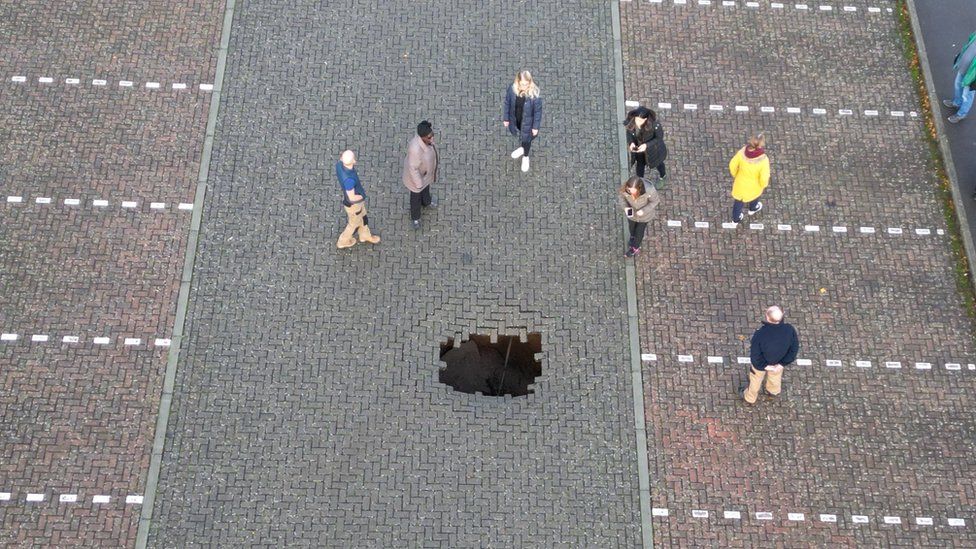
{"x":526,"y":76}
{"x":757,"y":141}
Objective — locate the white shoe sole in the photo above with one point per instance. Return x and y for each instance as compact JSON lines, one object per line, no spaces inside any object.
{"x":525,"y":164}
{"x":517,"y":153}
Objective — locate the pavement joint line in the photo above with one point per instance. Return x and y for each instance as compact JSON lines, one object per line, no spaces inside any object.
{"x":11,"y":497}
{"x":630,"y":286}
{"x":796,"y":517}
{"x":771,"y":109}
{"x":96,"y":202}
{"x":183,"y":299}
{"x":752,"y":5}
{"x":788,"y":227}
{"x":102,"y":83}
{"x":829,"y":362}
{"x":9,"y":338}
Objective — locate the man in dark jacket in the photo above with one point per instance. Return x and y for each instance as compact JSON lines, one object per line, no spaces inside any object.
{"x":774,"y":345}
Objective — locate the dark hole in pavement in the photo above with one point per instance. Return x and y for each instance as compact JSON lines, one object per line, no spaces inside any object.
{"x":478,"y":365}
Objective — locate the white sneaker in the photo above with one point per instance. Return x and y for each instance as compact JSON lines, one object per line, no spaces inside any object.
{"x":517,"y":153}
{"x":525,"y":163}
{"x":757,"y":210}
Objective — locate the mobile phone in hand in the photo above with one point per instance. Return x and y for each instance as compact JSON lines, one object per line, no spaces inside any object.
{"x":629,"y":212}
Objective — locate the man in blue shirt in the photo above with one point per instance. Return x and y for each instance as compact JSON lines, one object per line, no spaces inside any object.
{"x":354,"y":202}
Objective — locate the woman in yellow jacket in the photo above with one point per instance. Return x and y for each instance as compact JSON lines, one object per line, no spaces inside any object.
{"x":750,"y":168}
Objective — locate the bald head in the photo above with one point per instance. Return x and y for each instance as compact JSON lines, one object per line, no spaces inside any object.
{"x":774,"y":314}
{"x":348,"y":158}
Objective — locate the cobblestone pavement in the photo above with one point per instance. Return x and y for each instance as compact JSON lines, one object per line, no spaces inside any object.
{"x":863,"y":439}
{"x":309,"y":409}
{"x":87,"y":146}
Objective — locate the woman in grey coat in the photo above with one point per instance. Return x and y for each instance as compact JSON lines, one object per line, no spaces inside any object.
{"x":638,"y":201}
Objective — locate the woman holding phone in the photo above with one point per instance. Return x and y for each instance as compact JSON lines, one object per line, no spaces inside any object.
{"x":638,"y":202}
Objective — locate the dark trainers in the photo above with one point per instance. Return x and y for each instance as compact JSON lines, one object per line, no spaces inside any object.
{"x":757,"y":210}
{"x":950,"y":104}
{"x":956,"y":118}
{"x":631,"y":252}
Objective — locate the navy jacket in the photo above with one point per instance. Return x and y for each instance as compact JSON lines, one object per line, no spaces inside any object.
{"x":531,"y":114}
{"x":774,"y":344}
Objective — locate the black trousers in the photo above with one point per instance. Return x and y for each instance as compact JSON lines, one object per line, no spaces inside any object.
{"x":642,"y":166}
{"x":418,"y":201}
{"x":636,"y":233}
{"x":526,"y":143}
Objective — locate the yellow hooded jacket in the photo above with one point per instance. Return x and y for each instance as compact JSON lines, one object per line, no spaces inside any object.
{"x":751,"y":175}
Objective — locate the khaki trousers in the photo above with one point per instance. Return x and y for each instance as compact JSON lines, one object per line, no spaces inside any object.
{"x":355,"y":214}
{"x":774,"y":382}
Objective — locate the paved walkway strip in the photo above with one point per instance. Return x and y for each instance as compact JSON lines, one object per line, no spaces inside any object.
{"x":107,"y":84}
{"x":794,"y":518}
{"x":97,"y":203}
{"x":739,"y":108}
{"x":99,"y":341}
{"x":802,"y":228}
{"x":14,"y":497}
{"x":828,"y":363}
{"x":781,"y":7}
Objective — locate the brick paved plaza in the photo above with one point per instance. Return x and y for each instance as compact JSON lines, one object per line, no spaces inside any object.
{"x":300,"y":392}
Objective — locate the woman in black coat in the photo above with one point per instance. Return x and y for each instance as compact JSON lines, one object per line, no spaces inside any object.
{"x":522,"y":114}
{"x":645,"y":141}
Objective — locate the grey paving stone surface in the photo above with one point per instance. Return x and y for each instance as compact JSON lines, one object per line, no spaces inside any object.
{"x":848,"y":440}
{"x":308,"y":409}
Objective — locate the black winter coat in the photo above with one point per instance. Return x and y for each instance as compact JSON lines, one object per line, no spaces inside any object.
{"x":656,"y":151}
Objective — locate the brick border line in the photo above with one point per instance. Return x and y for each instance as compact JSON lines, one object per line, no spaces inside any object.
{"x":781,"y":7}
{"x":182,"y":305}
{"x":804,"y":229}
{"x":630,"y":284}
{"x":9,"y":338}
{"x":94,"y":203}
{"x":677,"y":106}
{"x":100,"y":83}
{"x":727,"y":514}
{"x":954,"y":184}
{"x":40,"y":497}
{"x":830,"y":362}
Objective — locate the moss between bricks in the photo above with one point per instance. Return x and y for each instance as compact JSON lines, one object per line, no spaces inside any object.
{"x":962,"y":271}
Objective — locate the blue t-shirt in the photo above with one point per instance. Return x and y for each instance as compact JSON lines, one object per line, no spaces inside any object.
{"x":348,"y":181}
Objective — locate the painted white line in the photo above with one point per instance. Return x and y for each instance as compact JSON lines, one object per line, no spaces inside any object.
{"x":101,"y":499}
{"x":894,"y":230}
{"x":923,"y":366}
{"x":870,"y":113}
{"x":664,"y":105}
{"x":674,"y":223}
{"x":699,"y":513}
{"x":152,"y":85}
{"x":19,"y":79}
{"x":99,"y":82}
{"x":892,"y":520}
{"x":867,"y":230}
{"x":811,"y":228}
{"x":15,"y":199}
{"x":826,"y":8}
{"x":839,"y":229}
{"x":862,"y":363}
{"x":45,"y":80}
{"x":101,"y":340}
{"x":43,"y":200}
{"x":4,"y":496}
{"x":99,"y":203}
{"x":659,"y":512}
{"x":72,"y":81}
{"x":956,"y":522}
{"x":729,"y":225}
{"x":845,"y":112}
{"x":923,"y":232}
{"x":157,"y":205}
{"x":9,"y":337}
{"x":954,"y":366}
{"x":923,"y":521}
{"x":715,"y":360}
{"x":206,"y":87}
{"x":828,"y":518}
{"x":784,"y":227}
{"x":691,"y":106}
{"x":179,"y":86}
{"x":874,"y":10}
{"x":804,"y":362}
{"x":645,"y":357}
{"x":632,"y":103}
{"x":72,"y":202}
{"x":129,"y":204}
{"x":859,"y":519}
{"x":70,"y":339}
{"x":764,"y":515}
{"x":701,"y":224}
{"x":893,"y":365}
{"x":819,"y":111}
{"x":686,"y":358}
{"x":897,"y":114}
{"x":160,"y":342}
{"x":133,"y":500}
{"x":833,"y":363}
{"x":756,"y":226}
{"x":793,"y":110}
{"x":132,"y":341}
{"x":35,"y":497}
{"x":68,"y":498}
{"x":741,"y":108}
{"x":732,"y":515}
{"x":40,"y":338}
{"x":125,"y":83}
{"x":185,"y":206}
{"x":796,"y":516}
{"x":767,"y":109}
{"x":716,"y":108}
{"x":743,"y":360}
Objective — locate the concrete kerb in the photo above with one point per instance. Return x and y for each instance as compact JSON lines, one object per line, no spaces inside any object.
{"x":954,"y":188}
{"x":636,"y":365}
{"x":169,"y":380}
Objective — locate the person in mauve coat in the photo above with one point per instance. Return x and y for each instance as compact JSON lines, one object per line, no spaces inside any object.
{"x":522,"y":114}
{"x":638,"y":200}
{"x":420,"y":170}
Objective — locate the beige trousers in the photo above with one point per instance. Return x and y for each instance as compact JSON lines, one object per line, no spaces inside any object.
{"x":774,"y":380}
{"x":355,"y":214}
